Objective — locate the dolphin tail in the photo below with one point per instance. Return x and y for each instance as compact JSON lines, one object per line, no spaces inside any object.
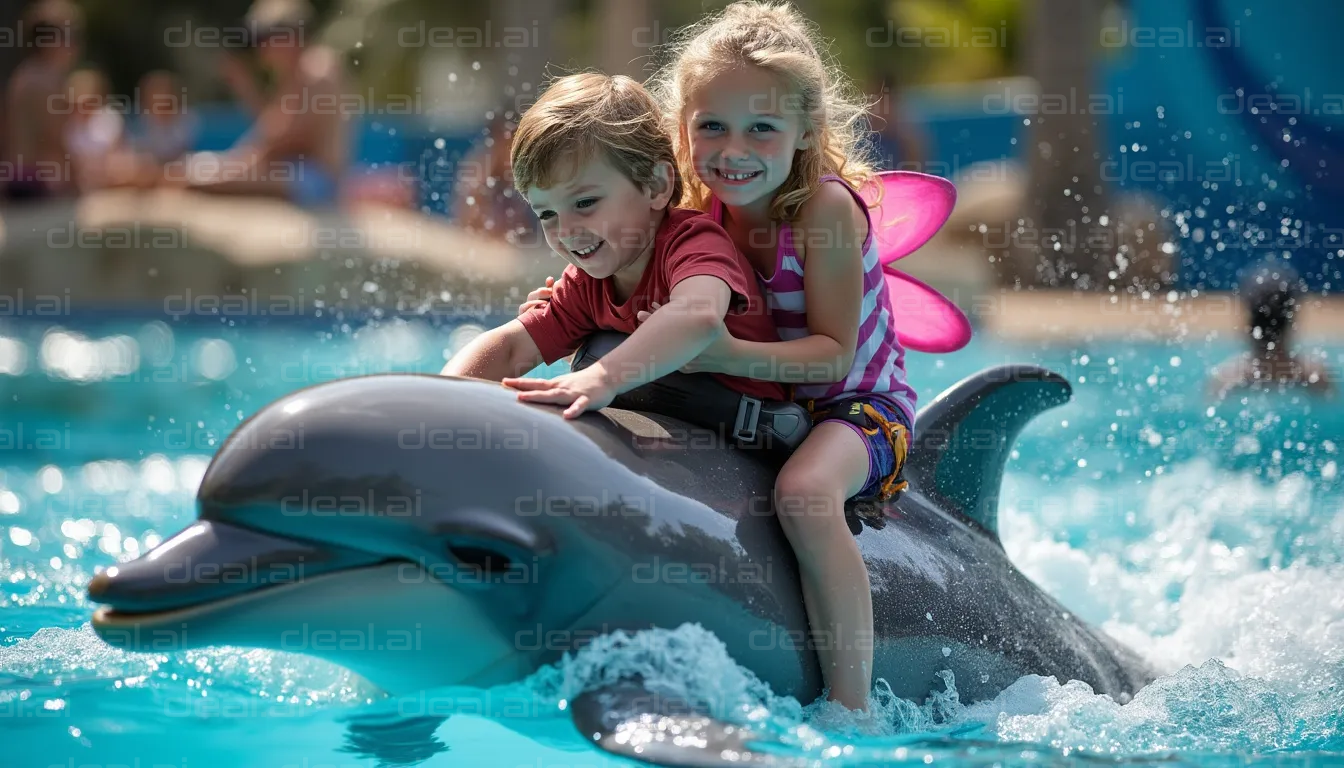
{"x":963,"y":437}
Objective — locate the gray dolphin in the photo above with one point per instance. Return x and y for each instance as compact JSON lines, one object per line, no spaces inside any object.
{"x":426,"y":531}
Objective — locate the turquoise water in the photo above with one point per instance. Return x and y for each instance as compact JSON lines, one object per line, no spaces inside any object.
{"x":1208,"y":538}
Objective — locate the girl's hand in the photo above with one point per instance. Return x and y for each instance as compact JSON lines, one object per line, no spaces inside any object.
{"x":538,"y":298}
{"x":708,"y":361}
{"x":643,"y":314}
{"x":587,"y":390}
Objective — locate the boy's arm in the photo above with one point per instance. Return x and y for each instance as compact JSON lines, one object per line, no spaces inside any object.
{"x":497,"y":354}
{"x":658,"y":347}
{"x":669,"y":340}
{"x":834,"y":267}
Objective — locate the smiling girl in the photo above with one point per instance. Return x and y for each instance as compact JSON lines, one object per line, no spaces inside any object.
{"x":772,"y":144}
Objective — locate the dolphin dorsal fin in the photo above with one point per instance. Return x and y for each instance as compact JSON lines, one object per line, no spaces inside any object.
{"x":963,"y":437}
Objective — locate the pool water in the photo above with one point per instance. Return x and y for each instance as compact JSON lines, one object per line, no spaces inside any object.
{"x":1207,"y":537}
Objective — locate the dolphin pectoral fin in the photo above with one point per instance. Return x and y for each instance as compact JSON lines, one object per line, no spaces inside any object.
{"x":964,"y":436}
{"x":628,"y":720}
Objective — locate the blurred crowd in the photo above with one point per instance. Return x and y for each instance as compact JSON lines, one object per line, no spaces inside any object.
{"x":65,"y":134}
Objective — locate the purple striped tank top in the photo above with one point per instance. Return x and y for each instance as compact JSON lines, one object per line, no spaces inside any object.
{"x":879,"y":358}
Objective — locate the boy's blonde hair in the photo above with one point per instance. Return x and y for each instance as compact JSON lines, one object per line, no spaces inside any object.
{"x":778,"y":39}
{"x":580,"y":115}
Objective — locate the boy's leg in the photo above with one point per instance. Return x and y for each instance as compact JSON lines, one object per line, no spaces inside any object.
{"x":829,"y":467}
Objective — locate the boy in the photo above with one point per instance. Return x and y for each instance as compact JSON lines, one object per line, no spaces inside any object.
{"x":594,"y":163}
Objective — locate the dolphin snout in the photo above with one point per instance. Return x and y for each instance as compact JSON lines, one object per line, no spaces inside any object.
{"x":209,"y":561}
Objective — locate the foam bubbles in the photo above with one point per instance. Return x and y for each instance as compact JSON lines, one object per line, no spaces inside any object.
{"x":1197,"y":709}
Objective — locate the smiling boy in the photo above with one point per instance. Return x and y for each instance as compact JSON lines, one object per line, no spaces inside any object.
{"x":593,"y":161}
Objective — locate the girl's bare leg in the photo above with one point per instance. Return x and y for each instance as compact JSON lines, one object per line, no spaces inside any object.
{"x":829,"y":467}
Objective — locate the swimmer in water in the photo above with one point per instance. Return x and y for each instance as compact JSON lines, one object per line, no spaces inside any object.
{"x":1272,"y":296}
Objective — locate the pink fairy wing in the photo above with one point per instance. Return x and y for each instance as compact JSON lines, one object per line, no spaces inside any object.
{"x":913,"y":208}
{"x":926,"y":320}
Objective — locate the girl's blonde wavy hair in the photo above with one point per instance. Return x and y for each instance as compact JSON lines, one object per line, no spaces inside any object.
{"x":779,"y":39}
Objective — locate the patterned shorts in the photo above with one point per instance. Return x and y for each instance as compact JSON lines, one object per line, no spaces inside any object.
{"x":884,"y":430}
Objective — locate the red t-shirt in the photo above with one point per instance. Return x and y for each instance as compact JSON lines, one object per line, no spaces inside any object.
{"x":687,"y":244}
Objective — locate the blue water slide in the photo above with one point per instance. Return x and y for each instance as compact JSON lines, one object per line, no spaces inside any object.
{"x":1230,"y":111}
{"x":1237,"y":107}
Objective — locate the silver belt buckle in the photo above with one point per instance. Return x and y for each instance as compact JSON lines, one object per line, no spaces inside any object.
{"x":748,"y":414}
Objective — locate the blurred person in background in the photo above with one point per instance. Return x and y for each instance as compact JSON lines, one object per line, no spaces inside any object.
{"x":36,"y":102}
{"x":163,"y":131}
{"x":94,"y":132}
{"x":298,"y":146}
{"x":166,"y":130}
{"x":1272,"y":295}
{"x":484,"y":199}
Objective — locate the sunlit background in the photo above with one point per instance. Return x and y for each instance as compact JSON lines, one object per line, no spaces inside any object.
{"x":1120,"y":167}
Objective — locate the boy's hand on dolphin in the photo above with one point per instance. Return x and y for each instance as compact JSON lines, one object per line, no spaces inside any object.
{"x":586,"y":390}
{"x":538,"y":297}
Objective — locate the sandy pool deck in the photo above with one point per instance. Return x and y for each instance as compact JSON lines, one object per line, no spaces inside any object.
{"x":1062,"y":315}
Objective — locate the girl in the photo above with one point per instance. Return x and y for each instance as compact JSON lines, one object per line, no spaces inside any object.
{"x":771,"y":143}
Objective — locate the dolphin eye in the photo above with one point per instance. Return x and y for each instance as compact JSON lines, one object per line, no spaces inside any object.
{"x":479,"y":560}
